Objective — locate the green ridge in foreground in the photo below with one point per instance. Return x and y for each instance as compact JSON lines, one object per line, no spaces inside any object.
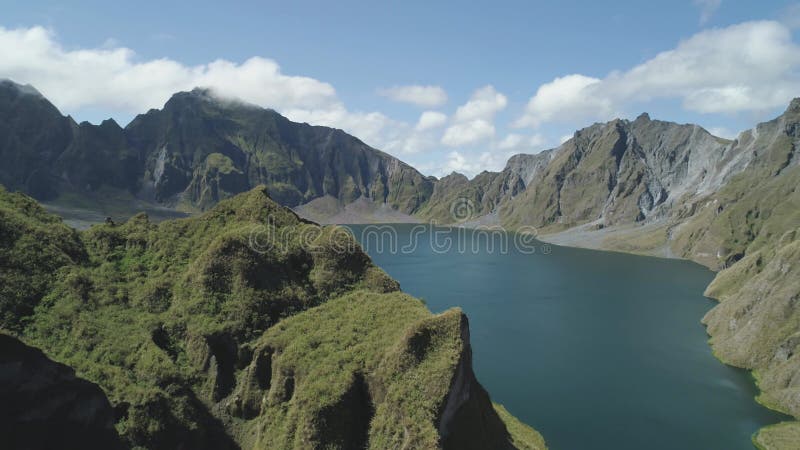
{"x":244,"y":327}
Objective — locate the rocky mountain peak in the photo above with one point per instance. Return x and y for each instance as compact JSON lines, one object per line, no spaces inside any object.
{"x":794,"y":106}
{"x":455,"y":176}
{"x":450,"y":181}
{"x":190,"y":98}
{"x":791,"y":117}
{"x":110,"y":123}
{"x":204,"y":96}
{"x":25,"y":89}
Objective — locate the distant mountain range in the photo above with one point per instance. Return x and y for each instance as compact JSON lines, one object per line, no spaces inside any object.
{"x":642,"y":186}
{"x":197,"y":150}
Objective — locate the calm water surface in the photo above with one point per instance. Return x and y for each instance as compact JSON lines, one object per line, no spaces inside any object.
{"x":596,"y":350}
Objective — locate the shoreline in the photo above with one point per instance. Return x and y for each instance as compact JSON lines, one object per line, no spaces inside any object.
{"x":584,"y":237}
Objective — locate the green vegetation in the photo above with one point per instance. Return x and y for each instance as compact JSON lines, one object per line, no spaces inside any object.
{"x":456,"y":199}
{"x":784,"y":435}
{"x":241,"y":327}
{"x":573,"y":189}
{"x":342,"y":359}
{"x":637,"y":240}
{"x":33,"y":246}
{"x":524,"y":437}
{"x":750,"y":212}
{"x":220,"y":162}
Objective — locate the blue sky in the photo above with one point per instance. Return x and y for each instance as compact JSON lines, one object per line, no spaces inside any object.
{"x":495,"y":78}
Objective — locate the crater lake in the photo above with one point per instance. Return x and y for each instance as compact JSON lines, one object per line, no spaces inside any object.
{"x":596,"y":350}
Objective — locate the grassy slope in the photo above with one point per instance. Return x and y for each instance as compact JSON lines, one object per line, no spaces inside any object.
{"x":573,"y":187}
{"x":359,"y":342}
{"x":456,"y":199}
{"x":524,"y":437}
{"x":33,"y":244}
{"x":784,"y":435}
{"x":169,"y":320}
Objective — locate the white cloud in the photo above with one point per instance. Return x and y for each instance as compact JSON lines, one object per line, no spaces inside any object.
{"x":429,"y":120}
{"x":519,"y":142}
{"x":707,"y":9}
{"x":565,"y":98}
{"x":746,"y":67}
{"x":112,"y":79}
{"x":511,"y":141}
{"x":484,"y":104}
{"x":456,"y":162}
{"x":470,"y":165}
{"x":564,"y":138}
{"x":473,"y":121}
{"x":722,"y":132}
{"x":425,"y":96}
{"x":374,"y":128}
{"x":467,"y":133}
{"x":410,"y":140}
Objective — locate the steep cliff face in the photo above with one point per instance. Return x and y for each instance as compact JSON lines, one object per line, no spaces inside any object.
{"x":621,"y":172}
{"x":200,"y":149}
{"x":609,"y":174}
{"x":394,"y":377}
{"x":45,"y":406}
{"x":246,"y":326}
{"x":45,"y":154}
{"x":457,"y":199}
{"x":197,"y":150}
{"x":755,"y":206}
{"x":33,"y":134}
{"x":98,"y":156}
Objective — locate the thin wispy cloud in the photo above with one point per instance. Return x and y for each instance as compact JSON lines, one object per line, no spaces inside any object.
{"x":424,"y":96}
{"x":707,"y":9}
{"x":790,"y":16}
{"x":722,"y":132}
{"x":519,"y":143}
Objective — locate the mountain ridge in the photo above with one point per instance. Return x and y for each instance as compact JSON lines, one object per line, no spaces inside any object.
{"x":196,"y":150}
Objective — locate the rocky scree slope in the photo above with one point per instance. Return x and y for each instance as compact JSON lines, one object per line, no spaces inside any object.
{"x":244,"y":327}
{"x":613,"y":173}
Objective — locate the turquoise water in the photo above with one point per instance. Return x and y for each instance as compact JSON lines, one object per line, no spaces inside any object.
{"x":596,"y":350}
